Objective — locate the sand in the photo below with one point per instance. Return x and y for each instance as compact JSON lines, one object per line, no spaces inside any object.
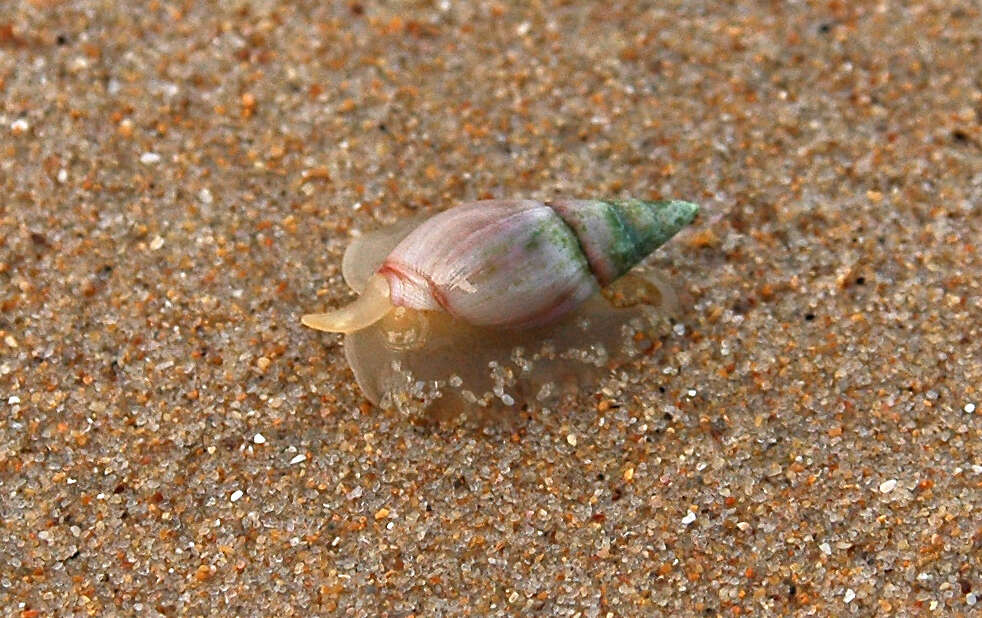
{"x":178,"y":182}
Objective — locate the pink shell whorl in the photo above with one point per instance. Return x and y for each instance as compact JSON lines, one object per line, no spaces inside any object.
{"x":508,"y":263}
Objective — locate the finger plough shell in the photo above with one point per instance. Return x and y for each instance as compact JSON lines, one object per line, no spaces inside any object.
{"x":502,"y":303}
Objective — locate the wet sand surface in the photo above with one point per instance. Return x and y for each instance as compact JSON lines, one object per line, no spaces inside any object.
{"x":178,"y":182}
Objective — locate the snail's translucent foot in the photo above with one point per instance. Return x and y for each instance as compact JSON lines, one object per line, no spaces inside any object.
{"x":370,"y":307}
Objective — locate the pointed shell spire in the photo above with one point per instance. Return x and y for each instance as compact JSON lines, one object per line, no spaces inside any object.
{"x":617,"y":234}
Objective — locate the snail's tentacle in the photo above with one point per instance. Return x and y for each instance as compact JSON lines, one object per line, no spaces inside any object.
{"x":367,"y":309}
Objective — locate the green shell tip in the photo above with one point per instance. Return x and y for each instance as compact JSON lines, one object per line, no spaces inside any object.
{"x":681,"y":208}
{"x":670,"y":216}
{"x":676,"y":210}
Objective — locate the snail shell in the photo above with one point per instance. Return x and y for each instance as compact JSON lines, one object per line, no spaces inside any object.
{"x":511,"y":263}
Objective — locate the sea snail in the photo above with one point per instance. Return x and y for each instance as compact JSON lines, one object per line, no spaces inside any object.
{"x":511,"y":264}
